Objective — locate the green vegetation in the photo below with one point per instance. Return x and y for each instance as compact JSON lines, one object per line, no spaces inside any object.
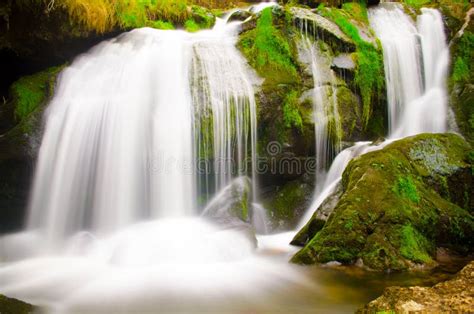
{"x":390,"y":226}
{"x":104,"y":15}
{"x":369,"y":76}
{"x":268,"y":51}
{"x":405,"y":187}
{"x":191,"y":26}
{"x":291,"y":113}
{"x":201,"y":19}
{"x":463,"y":68}
{"x":287,"y":200}
{"x":460,"y":83}
{"x":417,"y":3}
{"x":29,"y":92}
{"x":413,"y":245}
{"x":13,"y":306}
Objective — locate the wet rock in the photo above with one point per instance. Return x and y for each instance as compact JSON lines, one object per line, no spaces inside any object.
{"x":453,"y":296}
{"x":344,"y":61}
{"x":239,"y":15}
{"x":322,"y":28}
{"x":234,"y":201}
{"x":390,"y":215}
{"x":13,"y":306}
{"x":319,"y":218}
{"x":287,"y":203}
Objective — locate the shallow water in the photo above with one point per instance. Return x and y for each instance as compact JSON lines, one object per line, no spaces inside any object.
{"x":201,"y":268}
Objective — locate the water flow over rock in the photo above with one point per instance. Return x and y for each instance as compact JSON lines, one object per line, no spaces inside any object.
{"x":416,"y":61}
{"x":327,"y":122}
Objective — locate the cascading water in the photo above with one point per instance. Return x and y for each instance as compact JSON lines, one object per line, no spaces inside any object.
{"x":225,"y":118}
{"x":416,"y":62}
{"x":327,"y":123}
{"x":111,"y":226}
{"x":118,"y":147}
{"x":106,"y":151}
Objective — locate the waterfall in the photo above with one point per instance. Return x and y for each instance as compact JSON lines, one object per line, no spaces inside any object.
{"x":127,"y":123}
{"x":327,"y":122}
{"x":416,"y":61}
{"x":226,"y":118}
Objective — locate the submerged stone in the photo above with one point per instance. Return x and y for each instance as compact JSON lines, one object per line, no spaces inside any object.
{"x":232,"y":202}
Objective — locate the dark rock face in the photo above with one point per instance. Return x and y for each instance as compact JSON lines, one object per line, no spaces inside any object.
{"x":13,"y":306}
{"x":288,"y":202}
{"x":452,"y":296}
{"x":19,"y":143}
{"x":319,"y":218}
{"x":390,"y":215}
{"x":239,"y":15}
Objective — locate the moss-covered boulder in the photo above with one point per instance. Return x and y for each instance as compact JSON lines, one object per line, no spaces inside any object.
{"x":319,"y":218}
{"x":398,"y":205}
{"x":287,"y":203}
{"x":20,"y":141}
{"x":13,"y":306}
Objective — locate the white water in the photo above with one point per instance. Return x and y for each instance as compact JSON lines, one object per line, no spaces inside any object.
{"x":226,"y":118}
{"x":111,"y":226}
{"x":416,"y":62}
{"x":325,"y":107}
{"x":123,"y":263}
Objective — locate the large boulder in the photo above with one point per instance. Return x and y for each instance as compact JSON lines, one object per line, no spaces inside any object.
{"x":452,"y":296}
{"x":398,"y":205}
{"x":13,"y":306}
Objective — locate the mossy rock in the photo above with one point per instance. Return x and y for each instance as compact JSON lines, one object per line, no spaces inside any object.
{"x":286,"y":203}
{"x":318,"y":219}
{"x":19,"y":144}
{"x":13,"y":306}
{"x":233,"y":201}
{"x":390,"y":216}
{"x":321,"y":27}
{"x":461,"y":81}
{"x":452,"y":296}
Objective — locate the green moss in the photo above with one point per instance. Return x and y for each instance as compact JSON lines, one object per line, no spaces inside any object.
{"x":462,"y":69}
{"x":358,"y":10}
{"x":414,"y":246}
{"x":29,"y":92}
{"x":460,"y":83}
{"x":268,"y":51}
{"x":405,"y":187}
{"x":287,"y":199}
{"x":291,"y":113}
{"x":369,"y":75}
{"x":161,"y":25}
{"x":191,"y":26}
{"x":203,"y":17}
{"x":389,"y":214}
{"x":13,"y":306}
{"x":417,"y":3}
